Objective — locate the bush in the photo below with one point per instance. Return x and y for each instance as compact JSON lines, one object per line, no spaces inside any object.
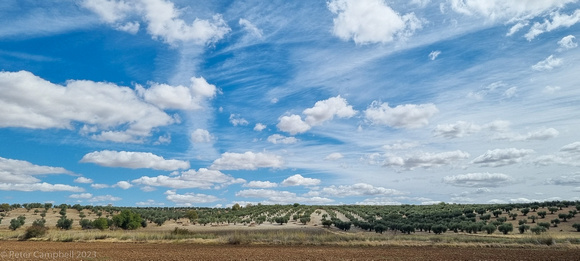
{"x":101,"y":223}
{"x":38,"y":229}
{"x":16,"y":223}
{"x":380,"y":228}
{"x":64,"y":223}
{"x":127,"y":219}
{"x":439,"y":228}
{"x":538,"y":229}
{"x":505,"y":228}
{"x":327,"y":223}
{"x":576,"y":226}
{"x":523,"y":228}
{"x":489,"y":228}
{"x":544,"y":224}
{"x":86,"y":224}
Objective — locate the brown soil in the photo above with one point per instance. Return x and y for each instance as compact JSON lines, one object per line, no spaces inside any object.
{"x":38,"y":250}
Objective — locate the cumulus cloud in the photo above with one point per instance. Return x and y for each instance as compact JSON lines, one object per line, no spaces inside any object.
{"x":408,"y":116}
{"x":568,"y":155}
{"x":83,"y":180}
{"x":123,"y":185}
{"x":190,"y":198}
{"x":565,"y":180}
{"x":557,"y":21}
{"x":248,"y":160}
{"x":259,"y":127}
{"x":501,"y":157}
{"x":250,"y":28}
{"x":260,"y":184}
{"x":99,"y":186}
{"x":25,"y":168}
{"x":334,"y":156}
{"x":236,"y":120}
{"x":548,"y":64}
{"x":133,"y":160}
{"x":162,"y":19}
{"x":281,"y":197}
{"x":299,"y":180}
{"x":567,"y":42}
{"x":81,"y":196}
{"x":478,"y":180}
{"x":44,"y":187}
{"x":203,"y":178}
{"x":281,"y":139}
{"x":104,"y":199}
{"x":434,"y":54}
{"x":178,"y":97}
{"x":506,"y":10}
{"x":425,"y":160}
{"x":324,"y":110}
{"x":359,"y":189}
{"x":28,"y":101}
{"x":370,"y":21}
{"x":571,"y":148}
{"x":292,"y":124}
{"x":456,"y":130}
{"x":201,"y":136}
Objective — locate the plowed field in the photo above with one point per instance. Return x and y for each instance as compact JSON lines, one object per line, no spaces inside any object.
{"x":18,"y":250}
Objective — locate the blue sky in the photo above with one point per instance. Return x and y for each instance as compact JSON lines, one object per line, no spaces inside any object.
{"x":211,"y":103}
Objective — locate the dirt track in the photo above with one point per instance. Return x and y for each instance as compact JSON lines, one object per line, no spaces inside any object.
{"x":17,"y":250}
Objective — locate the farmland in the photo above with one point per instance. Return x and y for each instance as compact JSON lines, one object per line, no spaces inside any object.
{"x":442,"y":230}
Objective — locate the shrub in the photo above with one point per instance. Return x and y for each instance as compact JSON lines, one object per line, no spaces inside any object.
{"x":523,"y":228}
{"x":101,"y":223}
{"x":439,"y":228}
{"x":127,"y":219}
{"x":64,"y":223}
{"x":489,"y":228}
{"x":538,"y":229}
{"x":38,"y":229}
{"x":505,"y":228}
{"x":576,"y":226}
{"x":555,"y":222}
{"x":542,"y":214}
{"x":546,"y":225}
{"x":86,"y":224}
{"x":380,"y":228}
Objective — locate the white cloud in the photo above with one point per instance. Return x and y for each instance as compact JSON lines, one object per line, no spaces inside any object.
{"x":188,"y":199}
{"x":130,"y":27}
{"x":403,"y":116}
{"x":280,"y":139}
{"x":99,"y":186}
{"x":514,"y":29}
{"x":236,"y":120}
{"x":425,"y":160}
{"x":379,"y":201}
{"x":548,"y":64}
{"x":292,"y":124}
{"x":506,"y":10}
{"x":248,"y":160}
{"x":502,"y":157}
{"x":565,"y":180}
{"x":201,"y":136}
{"x":114,"y":110}
{"x":148,"y":203}
{"x":571,"y":148}
{"x":401,"y":145}
{"x":281,"y":197}
{"x":567,"y":42}
{"x":370,"y":21}
{"x":123,"y":185}
{"x":133,"y":160}
{"x":83,"y":180}
{"x":511,"y":92}
{"x":557,"y":20}
{"x":434,"y":54}
{"x":25,"y":168}
{"x":259,"y":127}
{"x":104,"y":199}
{"x":551,"y":89}
{"x":178,"y":97}
{"x":260,"y":184}
{"x":456,"y":130}
{"x":540,"y":134}
{"x":334,"y":156}
{"x":203,"y":178}
{"x":250,"y":28}
{"x":568,"y":155}
{"x":44,"y":187}
{"x":299,"y":180}
{"x":359,"y":189}
{"x":162,"y":19}
{"x":81,"y":196}
{"x":479,"y":180}
{"x":325,"y":110}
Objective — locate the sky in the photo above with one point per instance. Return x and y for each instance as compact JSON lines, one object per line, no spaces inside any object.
{"x":212,"y":103}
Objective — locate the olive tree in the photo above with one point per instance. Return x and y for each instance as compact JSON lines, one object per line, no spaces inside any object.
{"x":505,"y":228}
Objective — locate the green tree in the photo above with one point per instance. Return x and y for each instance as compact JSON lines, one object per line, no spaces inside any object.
{"x":439,"y":228}
{"x":64,"y":223}
{"x":542,"y":214}
{"x":489,"y":228}
{"x":544,"y":224}
{"x":127,"y":219}
{"x":497,"y":212}
{"x":505,"y":228}
{"x":192,"y":215}
{"x":555,"y":222}
{"x":5,"y":207}
{"x":523,"y":228}
{"x":38,"y":229}
{"x":533,"y":218}
{"x":552,"y":209}
{"x":513,"y":216}
{"x":328,"y":223}
{"x":538,"y":230}
{"x":525,"y":211}
{"x":236,"y":207}
{"x":101,"y":223}
{"x":563,"y":216}
{"x":576,"y":226}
